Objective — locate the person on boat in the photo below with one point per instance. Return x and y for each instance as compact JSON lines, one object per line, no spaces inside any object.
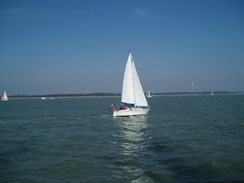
{"x":123,"y":107}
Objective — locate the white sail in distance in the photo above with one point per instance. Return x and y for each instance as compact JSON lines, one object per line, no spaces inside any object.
{"x":4,"y":96}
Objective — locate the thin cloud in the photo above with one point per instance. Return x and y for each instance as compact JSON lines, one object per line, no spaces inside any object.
{"x":140,"y":12}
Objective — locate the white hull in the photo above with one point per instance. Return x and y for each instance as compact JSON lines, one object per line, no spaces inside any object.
{"x":131,"y":112}
{"x":4,"y":99}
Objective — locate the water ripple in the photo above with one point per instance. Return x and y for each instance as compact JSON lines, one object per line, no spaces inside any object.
{"x":183,"y":139}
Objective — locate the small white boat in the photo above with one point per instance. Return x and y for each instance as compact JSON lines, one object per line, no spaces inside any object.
{"x":43,"y":98}
{"x":148,"y":94}
{"x":133,"y":101}
{"x":212,"y":93}
{"x":4,"y":96}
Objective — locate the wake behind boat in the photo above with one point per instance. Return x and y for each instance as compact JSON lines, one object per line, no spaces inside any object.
{"x":133,"y":101}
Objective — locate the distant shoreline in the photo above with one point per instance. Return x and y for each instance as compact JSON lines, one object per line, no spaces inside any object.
{"x":98,"y":95}
{"x":59,"y":97}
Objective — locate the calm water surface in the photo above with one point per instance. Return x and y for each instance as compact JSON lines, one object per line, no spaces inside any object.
{"x":183,"y":139}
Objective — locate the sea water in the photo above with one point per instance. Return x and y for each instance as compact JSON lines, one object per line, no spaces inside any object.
{"x":183,"y":139}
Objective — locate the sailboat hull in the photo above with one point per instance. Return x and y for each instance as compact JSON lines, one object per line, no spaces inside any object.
{"x":4,"y":99}
{"x":131,"y":112}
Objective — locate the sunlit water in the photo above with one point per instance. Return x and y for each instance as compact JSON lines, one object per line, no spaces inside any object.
{"x":183,"y":139}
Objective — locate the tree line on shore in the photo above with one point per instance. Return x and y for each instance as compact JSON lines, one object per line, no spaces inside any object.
{"x":101,"y":94}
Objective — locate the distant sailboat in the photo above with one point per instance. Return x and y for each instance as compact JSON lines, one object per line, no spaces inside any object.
{"x":4,"y":96}
{"x":212,"y":93}
{"x":148,"y":94}
{"x":133,"y":101}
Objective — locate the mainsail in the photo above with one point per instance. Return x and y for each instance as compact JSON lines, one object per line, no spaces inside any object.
{"x":132,"y":92}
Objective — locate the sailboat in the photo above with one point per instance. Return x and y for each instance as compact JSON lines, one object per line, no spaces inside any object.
{"x":148,"y":94}
{"x":4,"y":96}
{"x":212,"y":93}
{"x":133,"y":100}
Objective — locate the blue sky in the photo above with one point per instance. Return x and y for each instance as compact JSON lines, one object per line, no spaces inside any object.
{"x":78,"y":46}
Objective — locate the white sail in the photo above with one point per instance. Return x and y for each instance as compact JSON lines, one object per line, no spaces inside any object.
{"x":140,"y":99}
{"x":148,"y":94}
{"x":4,"y":96}
{"x":128,"y":96}
{"x":132,"y":92}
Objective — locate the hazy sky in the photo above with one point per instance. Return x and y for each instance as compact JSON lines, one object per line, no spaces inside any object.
{"x":78,"y":46}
